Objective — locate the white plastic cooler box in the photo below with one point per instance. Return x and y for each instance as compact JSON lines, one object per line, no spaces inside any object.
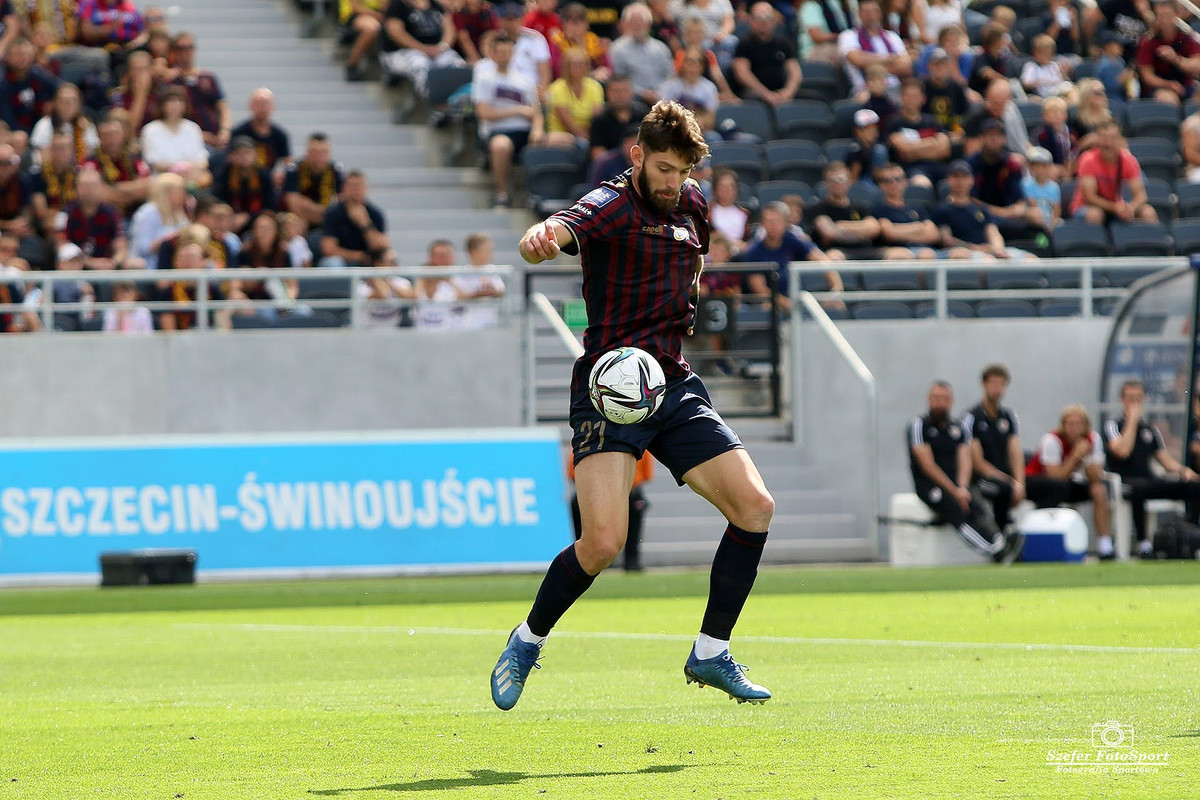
{"x":1054,"y":534}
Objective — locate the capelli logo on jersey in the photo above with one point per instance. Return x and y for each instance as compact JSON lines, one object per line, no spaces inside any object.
{"x":654,"y":230}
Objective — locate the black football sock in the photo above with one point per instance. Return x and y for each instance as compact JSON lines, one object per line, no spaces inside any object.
{"x":565,"y":582}
{"x":734,"y":569}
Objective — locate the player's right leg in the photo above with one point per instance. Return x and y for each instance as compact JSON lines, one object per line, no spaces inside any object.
{"x":602,"y":484}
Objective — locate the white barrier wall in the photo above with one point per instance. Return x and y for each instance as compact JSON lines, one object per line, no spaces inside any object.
{"x":1053,"y":362}
{"x":259,"y":381}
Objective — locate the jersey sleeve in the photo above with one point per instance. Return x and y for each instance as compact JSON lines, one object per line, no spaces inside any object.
{"x":594,"y":216}
{"x":916,"y":432}
{"x":1050,"y":451}
{"x":968,"y":425}
{"x":1112,"y":431}
{"x":1014,"y":424}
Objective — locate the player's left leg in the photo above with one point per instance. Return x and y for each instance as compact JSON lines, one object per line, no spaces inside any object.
{"x":732,"y":483}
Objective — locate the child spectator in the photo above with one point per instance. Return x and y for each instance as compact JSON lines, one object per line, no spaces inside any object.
{"x":719,"y":22}
{"x":875,"y":94}
{"x":471,"y":21}
{"x":1056,"y":137}
{"x":572,"y":101}
{"x":294,"y":228}
{"x":127,"y":316}
{"x":1111,"y":69}
{"x":866,"y":153}
{"x":1042,"y":191}
{"x":1043,"y":77}
{"x":66,"y":117}
{"x":480,"y":253}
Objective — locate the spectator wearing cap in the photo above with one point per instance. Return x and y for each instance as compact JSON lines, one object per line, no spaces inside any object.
{"x":765,"y":63}
{"x":917,"y":142}
{"x":509,"y":114}
{"x":27,"y":89}
{"x":621,"y":110}
{"x":820,"y":23}
{"x":574,"y":34}
{"x":692,"y":90}
{"x":1105,"y":172}
{"x":902,"y":224}
{"x":968,"y":229}
{"x":647,"y":61}
{"x":175,"y":143}
{"x":531,"y":51}
{"x":272,"y":145}
{"x":945,"y":98}
{"x":870,"y":43}
{"x":314,"y":182}
{"x":1168,"y":60}
{"x":244,"y":185}
{"x":1111,"y":69}
{"x":361,"y":22}
{"x":206,"y":99}
{"x":1042,"y":191}
{"x":952,"y":39}
{"x":997,"y":104}
{"x":472,"y":20}
{"x":572,"y":101}
{"x":109,"y":23}
{"x":866,"y":154}
{"x":424,"y":35}
{"x":998,"y":175}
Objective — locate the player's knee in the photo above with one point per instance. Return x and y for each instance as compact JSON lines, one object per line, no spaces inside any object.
{"x":754,"y":511}
{"x":597,"y":549}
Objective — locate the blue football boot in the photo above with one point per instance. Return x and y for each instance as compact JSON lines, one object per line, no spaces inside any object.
{"x":508,"y":678}
{"x":723,"y":673}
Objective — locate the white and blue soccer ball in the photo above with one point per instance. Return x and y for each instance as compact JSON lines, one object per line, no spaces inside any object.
{"x":627,"y":385}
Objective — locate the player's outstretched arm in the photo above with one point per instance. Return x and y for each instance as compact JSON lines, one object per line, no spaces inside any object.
{"x":543,"y":241}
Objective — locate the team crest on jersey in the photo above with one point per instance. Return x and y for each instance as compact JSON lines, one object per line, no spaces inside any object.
{"x":1147,"y":435}
{"x":982,"y":425}
{"x":599,"y":197}
{"x":1002,"y":426}
{"x":681,"y":234}
{"x":955,"y":432}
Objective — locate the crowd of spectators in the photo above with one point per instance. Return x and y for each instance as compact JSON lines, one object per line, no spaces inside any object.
{"x":117,"y":152}
{"x":1038,"y":111}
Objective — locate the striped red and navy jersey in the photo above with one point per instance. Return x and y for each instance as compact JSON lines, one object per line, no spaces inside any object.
{"x":94,"y":234}
{"x":639,"y":271}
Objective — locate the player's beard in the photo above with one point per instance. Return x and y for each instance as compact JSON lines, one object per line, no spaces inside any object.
{"x":659,"y":203}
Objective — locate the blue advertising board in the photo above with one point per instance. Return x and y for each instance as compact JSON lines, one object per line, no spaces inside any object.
{"x":292,"y":504}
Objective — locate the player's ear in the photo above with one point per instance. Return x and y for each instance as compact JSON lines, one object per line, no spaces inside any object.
{"x":636,"y":155}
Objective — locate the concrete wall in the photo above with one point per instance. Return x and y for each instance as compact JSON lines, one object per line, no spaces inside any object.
{"x":259,"y":381}
{"x":1053,"y":362}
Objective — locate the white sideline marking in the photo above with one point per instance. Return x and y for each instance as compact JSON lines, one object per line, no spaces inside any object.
{"x":676,"y":637}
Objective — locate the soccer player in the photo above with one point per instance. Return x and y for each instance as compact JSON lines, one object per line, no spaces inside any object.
{"x":641,"y":238}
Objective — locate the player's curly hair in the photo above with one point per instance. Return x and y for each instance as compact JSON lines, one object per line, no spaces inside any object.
{"x":670,"y":126}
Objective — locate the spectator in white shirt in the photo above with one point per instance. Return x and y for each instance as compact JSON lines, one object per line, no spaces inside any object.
{"x":175,"y":143}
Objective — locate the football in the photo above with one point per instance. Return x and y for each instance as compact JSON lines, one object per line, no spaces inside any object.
{"x":627,"y":385}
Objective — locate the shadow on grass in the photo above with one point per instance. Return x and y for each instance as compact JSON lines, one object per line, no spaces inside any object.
{"x":489,"y":777}
{"x":1187,"y":735}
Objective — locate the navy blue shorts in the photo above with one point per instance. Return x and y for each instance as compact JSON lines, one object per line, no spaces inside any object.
{"x":685,"y":432}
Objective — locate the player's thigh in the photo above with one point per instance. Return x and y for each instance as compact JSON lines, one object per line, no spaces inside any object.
{"x":603,"y":482}
{"x":732,"y":483}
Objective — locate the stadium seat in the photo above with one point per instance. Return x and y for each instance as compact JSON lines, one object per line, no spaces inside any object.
{"x":1015,"y":279}
{"x":837,"y":149}
{"x":1123,"y":278}
{"x":1186,"y":233}
{"x":860,"y":192}
{"x":1085,"y":69}
{"x":750,"y":117}
{"x":990,"y":309}
{"x":1140,"y":239}
{"x":822,"y":78}
{"x":1024,"y":31}
{"x":882,"y":310}
{"x":317,"y":319}
{"x":804,"y":119}
{"x":324,"y":287}
{"x":1158,"y":158}
{"x":794,"y":160}
{"x":968,"y":279}
{"x":249,"y":322}
{"x":1187,"y":199}
{"x":742,"y":157}
{"x":843,"y":118}
{"x":550,"y":172}
{"x":955,"y":309}
{"x":1031,"y":114}
{"x":1080,"y":240}
{"x":1159,"y":195}
{"x":1059,"y":308}
{"x":1152,"y":118}
{"x":770,"y":191}
{"x":893,"y":280}
{"x":443,"y":82}
{"x":919,"y":196}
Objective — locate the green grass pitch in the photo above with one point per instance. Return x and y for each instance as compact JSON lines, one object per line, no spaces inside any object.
{"x":951,"y":683}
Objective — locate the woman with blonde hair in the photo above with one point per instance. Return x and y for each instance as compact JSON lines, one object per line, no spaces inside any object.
{"x":1091,"y":113}
{"x":1068,"y":467}
{"x":572,"y":101}
{"x":158,"y":218}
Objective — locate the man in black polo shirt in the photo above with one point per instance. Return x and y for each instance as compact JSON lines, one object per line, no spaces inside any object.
{"x":939,"y":455}
{"x":765,"y":63}
{"x":622,"y":110}
{"x":916,"y":139}
{"x":901,"y":224}
{"x":998,"y":175}
{"x":353,"y":231}
{"x":1131,"y":443}
{"x":997,"y":461}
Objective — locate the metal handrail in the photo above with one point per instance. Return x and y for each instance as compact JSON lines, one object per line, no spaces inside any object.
{"x":803,"y":301}
{"x":557,"y":323}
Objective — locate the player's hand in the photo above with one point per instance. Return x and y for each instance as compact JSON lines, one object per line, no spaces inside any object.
{"x":963,"y":496}
{"x":539,"y":243}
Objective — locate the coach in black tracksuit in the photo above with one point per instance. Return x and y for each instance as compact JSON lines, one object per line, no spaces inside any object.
{"x":1131,"y":443}
{"x":939,"y":455}
{"x":997,"y":462}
